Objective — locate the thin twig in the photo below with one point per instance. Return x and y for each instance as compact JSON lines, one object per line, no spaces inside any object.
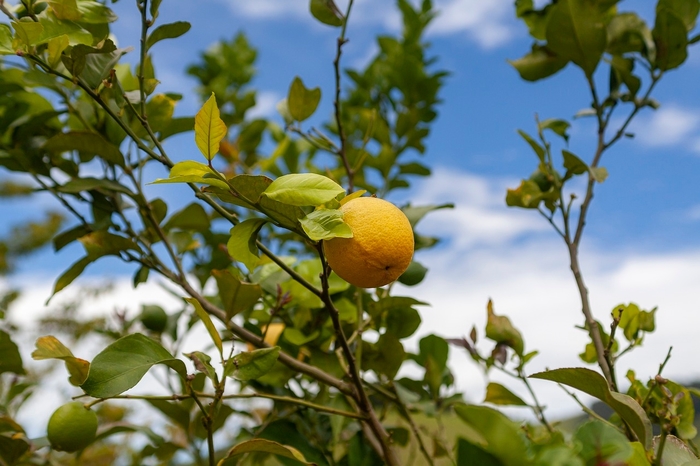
{"x":414,"y":428}
{"x":342,"y":150}
{"x":361,"y":395}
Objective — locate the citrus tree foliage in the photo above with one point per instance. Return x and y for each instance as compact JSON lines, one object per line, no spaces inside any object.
{"x":80,"y":124}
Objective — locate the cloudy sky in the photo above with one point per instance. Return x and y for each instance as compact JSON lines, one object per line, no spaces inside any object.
{"x":641,"y":243}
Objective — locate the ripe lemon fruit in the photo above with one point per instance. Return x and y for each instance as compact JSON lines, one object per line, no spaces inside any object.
{"x":381,"y":247}
{"x":72,"y":427}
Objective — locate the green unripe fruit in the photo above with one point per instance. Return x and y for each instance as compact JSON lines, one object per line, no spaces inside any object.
{"x":154,"y":318}
{"x":72,"y":427}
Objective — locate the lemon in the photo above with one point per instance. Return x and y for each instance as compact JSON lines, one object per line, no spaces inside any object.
{"x":72,"y":427}
{"x":381,"y":247}
{"x":154,"y":318}
{"x":272,"y":334}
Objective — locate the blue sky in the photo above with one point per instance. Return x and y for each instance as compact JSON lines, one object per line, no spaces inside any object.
{"x":641,"y":243}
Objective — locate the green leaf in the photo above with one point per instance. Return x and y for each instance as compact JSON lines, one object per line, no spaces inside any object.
{"x":266,"y":446}
{"x":88,"y":143}
{"x":251,"y":365}
{"x":49,"y":27}
{"x":541,"y":62}
{"x":576,"y":31}
{"x":298,"y":338}
{"x":241,"y":246}
{"x":501,"y":330}
{"x":6,"y":40}
{"x":235,"y":295}
{"x":66,"y":9}
{"x":93,"y":64}
{"x":122,"y":364}
{"x":325,"y":224}
{"x":539,"y":150}
{"x":190,"y":171}
{"x":628,"y":33}
{"x":167,"y":31}
{"x":499,"y":395}
{"x":603,"y":443}
{"x":560,"y":127}
{"x":49,"y":347}
{"x":77,"y":185}
{"x":686,"y":10}
{"x":95,"y":13}
{"x":206,"y":320}
{"x":573,"y":164}
{"x":502,"y":436}
{"x":202,"y":362}
{"x":469,"y":454}
{"x":594,"y":384}
{"x":55,"y":48}
{"x":416,"y":213}
{"x":302,"y":102}
{"x":209,"y":128}
{"x":414,"y":274}
{"x":303,"y":189}
{"x":10,"y":359}
{"x":388,"y":304}
{"x":326,"y":12}
{"x":73,"y":272}
{"x":192,"y":217}
{"x":676,"y":452}
{"x":671,"y":39}
{"x":385,"y":357}
{"x":402,"y":322}
{"x":101,"y":243}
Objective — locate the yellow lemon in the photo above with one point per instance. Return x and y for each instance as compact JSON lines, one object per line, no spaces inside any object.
{"x":381,"y":247}
{"x":272,"y":334}
{"x":72,"y":427}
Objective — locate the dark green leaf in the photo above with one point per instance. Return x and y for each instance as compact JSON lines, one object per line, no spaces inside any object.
{"x":560,"y":127}
{"x":402,"y":322}
{"x":90,"y":144}
{"x":671,"y":39}
{"x":10,"y":359}
{"x":326,"y":12}
{"x":122,"y":364}
{"x":686,"y":10}
{"x":576,"y":31}
{"x":267,"y":446}
{"x":71,"y":274}
{"x":414,"y":274}
{"x":540,"y":63}
{"x":536,"y":147}
{"x":502,"y":436}
{"x":594,"y":384}
{"x":469,"y":454}
{"x":167,"y":31}
{"x":236,"y":295}
{"x":573,"y":164}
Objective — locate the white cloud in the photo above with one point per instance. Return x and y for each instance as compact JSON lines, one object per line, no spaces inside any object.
{"x":488,"y":23}
{"x":265,"y":105}
{"x":693,"y":214}
{"x":668,"y":126}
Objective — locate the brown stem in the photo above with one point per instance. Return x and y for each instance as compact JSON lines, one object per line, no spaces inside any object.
{"x":342,"y":150}
{"x":363,"y":401}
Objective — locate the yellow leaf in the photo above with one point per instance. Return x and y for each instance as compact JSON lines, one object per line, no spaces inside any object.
{"x":209,"y":128}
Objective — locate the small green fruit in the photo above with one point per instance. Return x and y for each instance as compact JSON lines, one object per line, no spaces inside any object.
{"x":72,"y":427}
{"x":154,"y":318}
